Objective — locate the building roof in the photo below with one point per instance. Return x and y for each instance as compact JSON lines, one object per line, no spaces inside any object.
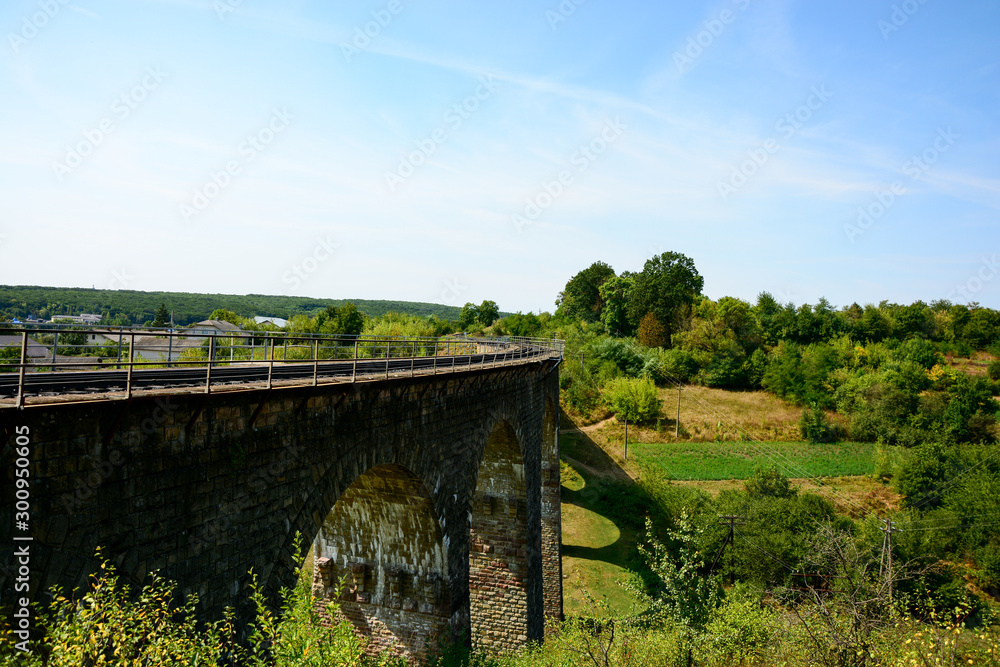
{"x":276,"y":321}
{"x":221,"y":325}
{"x":35,"y":349}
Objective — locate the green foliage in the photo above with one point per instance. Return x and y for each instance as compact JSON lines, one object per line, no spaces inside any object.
{"x":107,"y":625}
{"x":130,"y":306}
{"x":768,"y":482}
{"x":802,"y":374}
{"x":528,"y":326}
{"x":616,"y":292}
{"x":488,"y":313}
{"x":741,"y":629}
{"x":581,"y":298}
{"x":815,"y":427}
{"x":633,"y":399}
{"x":162,"y":316}
{"x":668,"y":284}
{"x":682,"y":593}
{"x":993,"y":370}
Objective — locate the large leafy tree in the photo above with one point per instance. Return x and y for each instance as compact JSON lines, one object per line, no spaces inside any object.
{"x":667,"y":286}
{"x":489,"y":313}
{"x":469,"y":314}
{"x":616,"y":292}
{"x":581,"y":299}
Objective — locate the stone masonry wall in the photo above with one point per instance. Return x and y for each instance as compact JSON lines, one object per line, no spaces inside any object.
{"x":202,"y":488}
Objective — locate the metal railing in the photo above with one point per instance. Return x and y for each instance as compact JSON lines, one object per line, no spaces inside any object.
{"x":120,"y":360}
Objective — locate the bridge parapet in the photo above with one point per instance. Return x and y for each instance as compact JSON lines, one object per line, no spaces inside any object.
{"x":108,"y":364}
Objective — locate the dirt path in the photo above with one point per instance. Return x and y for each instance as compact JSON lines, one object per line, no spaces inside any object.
{"x":592,"y":427}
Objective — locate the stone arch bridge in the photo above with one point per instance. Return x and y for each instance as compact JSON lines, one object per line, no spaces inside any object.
{"x":431,"y":498}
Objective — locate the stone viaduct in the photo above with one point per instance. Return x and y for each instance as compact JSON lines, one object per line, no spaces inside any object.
{"x":432,"y":501}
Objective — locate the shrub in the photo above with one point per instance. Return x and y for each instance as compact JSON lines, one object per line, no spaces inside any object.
{"x":633,"y":399}
{"x":769,"y":482}
{"x":815,"y":428}
{"x":993,"y":370}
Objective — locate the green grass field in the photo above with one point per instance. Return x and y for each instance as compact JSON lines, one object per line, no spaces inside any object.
{"x":736,"y":460}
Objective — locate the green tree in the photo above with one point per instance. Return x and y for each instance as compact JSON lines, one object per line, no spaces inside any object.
{"x":162,"y":316}
{"x":224,"y":315}
{"x":667,"y":286}
{"x":345,"y":321}
{"x":615,"y":292}
{"x":488,"y":313}
{"x":581,"y":298}
{"x":469,"y":314}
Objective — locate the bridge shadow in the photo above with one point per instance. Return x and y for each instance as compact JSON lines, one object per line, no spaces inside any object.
{"x":595,"y":530}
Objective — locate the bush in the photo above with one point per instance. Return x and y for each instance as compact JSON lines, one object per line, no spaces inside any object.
{"x":633,"y":399}
{"x":815,"y":428}
{"x":993,"y":370}
{"x":768,"y":482}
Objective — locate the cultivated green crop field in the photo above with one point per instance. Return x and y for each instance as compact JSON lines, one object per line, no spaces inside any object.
{"x":736,"y":460}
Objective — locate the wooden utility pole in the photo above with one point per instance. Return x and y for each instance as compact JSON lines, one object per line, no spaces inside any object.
{"x":885,"y":566}
{"x":677,"y":424}
{"x":626,"y":439}
{"x":732,"y":521}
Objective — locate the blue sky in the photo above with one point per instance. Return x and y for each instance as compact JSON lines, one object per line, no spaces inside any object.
{"x":453,"y":152}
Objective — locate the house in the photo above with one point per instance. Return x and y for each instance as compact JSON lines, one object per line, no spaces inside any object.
{"x":83,"y":318}
{"x":209,"y":328}
{"x":102,"y":337}
{"x":36,"y":350}
{"x":276,"y":321}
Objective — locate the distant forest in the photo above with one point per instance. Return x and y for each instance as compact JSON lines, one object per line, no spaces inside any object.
{"x":134,"y":307}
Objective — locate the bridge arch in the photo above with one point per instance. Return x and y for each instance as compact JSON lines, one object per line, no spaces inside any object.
{"x":380,"y":552}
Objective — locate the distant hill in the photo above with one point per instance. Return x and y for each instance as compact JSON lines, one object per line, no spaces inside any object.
{"x":137,"y":307}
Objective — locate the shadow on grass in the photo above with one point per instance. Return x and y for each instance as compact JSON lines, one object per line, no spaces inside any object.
{"x":599,"y":473}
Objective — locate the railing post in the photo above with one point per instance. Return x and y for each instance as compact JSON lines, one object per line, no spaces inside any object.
{"x":21,"y":368}
{"x":388,"y":347}
{"x":118,"y":365}
{"x":436,"y":341}
{"x":354,"y":372}
{"x":270,"y":365}
{"x":211,"y":359}
{"x":131,"y":363}
{"x":315,"y":347}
